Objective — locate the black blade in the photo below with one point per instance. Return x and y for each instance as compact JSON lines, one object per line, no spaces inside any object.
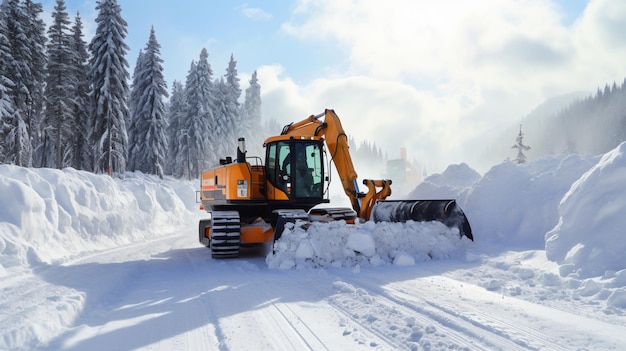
{"x":445,"y":211}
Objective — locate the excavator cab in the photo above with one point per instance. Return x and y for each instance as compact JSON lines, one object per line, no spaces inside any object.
{"x":295,"y":169}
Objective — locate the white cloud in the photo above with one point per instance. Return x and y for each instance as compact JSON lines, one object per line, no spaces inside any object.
{"x":386,"y":112}
{"x":429,"y":75}
{"x":599,"y":40}
{"x":255,"y":13}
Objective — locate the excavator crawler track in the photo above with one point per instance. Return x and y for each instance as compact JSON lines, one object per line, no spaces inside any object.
{"x":225,"y":234}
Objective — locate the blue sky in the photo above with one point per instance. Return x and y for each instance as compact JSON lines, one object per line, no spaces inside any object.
{"x":425,"y":75}
{"x":250,"y":30}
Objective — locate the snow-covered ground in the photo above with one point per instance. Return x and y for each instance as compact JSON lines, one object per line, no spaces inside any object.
{"x":89,"y":262}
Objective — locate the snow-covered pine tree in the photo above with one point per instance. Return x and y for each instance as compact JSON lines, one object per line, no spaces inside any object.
{"x":148,"y":121}
{"x":56,"y":124}
{"x":251,"y":116}
{"x":520,"y":158}
{"x":15,"y":131}
{"x":6,"y":109}
{"x":176,"y":161}
{"x":79,"y":155}
{"x":232,"y":80}
{"x":232,"y":104}
{"x":195,"y":135}
{"x":36,"y":33}
{"x":224,"y":138}
{"x":183,"y":156}
{"x":6,"y":85}
{"x":109,"y":76}
{"x":133,"y":102}
{"x":133,"y":99}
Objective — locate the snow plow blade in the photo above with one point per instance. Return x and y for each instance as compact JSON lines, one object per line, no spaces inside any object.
{"x":445,"y":211}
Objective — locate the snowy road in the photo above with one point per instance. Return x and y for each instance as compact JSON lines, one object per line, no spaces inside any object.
{"x":169,"y":294}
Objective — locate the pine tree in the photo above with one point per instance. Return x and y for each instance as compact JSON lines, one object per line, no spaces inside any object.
{"x":133,"y":100}
{"x":79,"y":155}
{"x":195,"y":135}
{"x":6,"y":85}
{"x":13,"y":71}
{"x":250,"y":116}
{"x":224,"y":137}
{"x":109,"y":75}
{"x":182,"y":135}
{"x":23,"y":72}
{"x":232,"y":105}
{"x":59,"y":90}
{"x":36,"y":41}
{"x":175,"y":160}
{"x":133,"y":103}
{"x":521,"y":158}
{"x":232,"y":80}
{"x":251,"y":112}
{"x":148,"y":122}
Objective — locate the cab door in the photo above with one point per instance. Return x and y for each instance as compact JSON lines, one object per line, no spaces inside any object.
{"x":278,"y":186}
{"x":307,"y":173}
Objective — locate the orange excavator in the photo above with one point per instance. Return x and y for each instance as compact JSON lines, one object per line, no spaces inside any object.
{"x":250,"y":200}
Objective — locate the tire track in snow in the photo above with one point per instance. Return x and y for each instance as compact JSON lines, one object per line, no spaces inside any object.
{"x":422,"y":323}
{"x":353,"y":312}
{"x":477,"y":324}
{"x":216,"y":336}
{"x":402,"y":327}
{"x":291,"y":313}
{"x":281,"y":326}
{"x":296,"y":325}
{"x":521,"y":321}
{"x":465,"y":320}
{"x":351,"y":333}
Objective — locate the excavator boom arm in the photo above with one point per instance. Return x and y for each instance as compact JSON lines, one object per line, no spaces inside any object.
{"x":337,"y":142}
{"x":373,"y":204}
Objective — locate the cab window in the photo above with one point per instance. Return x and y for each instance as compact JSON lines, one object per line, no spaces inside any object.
{"x":307,"y":176}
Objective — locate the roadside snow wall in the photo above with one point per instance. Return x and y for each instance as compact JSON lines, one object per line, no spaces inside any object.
{"x":49,"y":214}
{"x":589,"y":238}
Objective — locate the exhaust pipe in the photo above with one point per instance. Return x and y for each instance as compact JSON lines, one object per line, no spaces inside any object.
{"x":241,"y":150}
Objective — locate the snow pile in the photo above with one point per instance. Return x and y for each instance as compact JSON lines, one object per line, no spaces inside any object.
{"x":336,"y":244}
{"x":589,"y":238}
{"x":517,"y":204}
{"x":454,"y":181}
{"x":51,"y":214}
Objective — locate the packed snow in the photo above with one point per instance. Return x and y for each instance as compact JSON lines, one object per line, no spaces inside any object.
{"x":93,"y":262}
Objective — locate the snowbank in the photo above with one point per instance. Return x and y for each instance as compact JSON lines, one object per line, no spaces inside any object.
{"x":589,"y":238}
{"x":50,"y":214}
{"x":452,"y":183}
{"x":516,"y":205}
{"x":512,"y":204}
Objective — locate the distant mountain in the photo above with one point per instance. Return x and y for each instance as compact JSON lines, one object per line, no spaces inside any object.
{"x":494,"y":146}
{"x":578,"y":122}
